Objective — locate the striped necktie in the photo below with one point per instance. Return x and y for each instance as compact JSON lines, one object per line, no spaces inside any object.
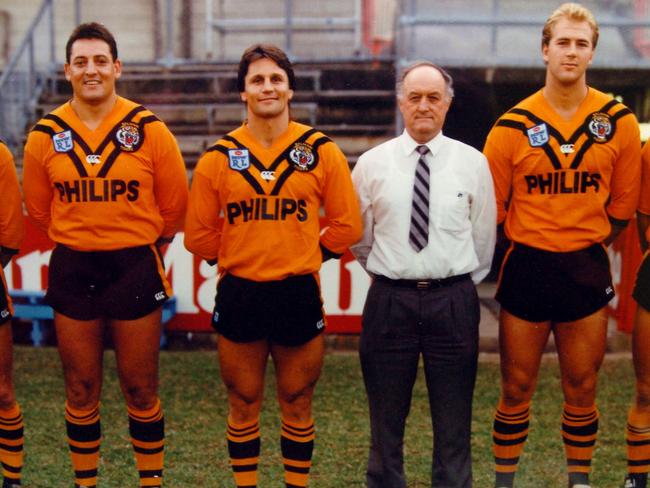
{"x":419,"y":231}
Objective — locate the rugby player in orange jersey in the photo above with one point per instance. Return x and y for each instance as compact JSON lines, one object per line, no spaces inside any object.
{"x":104,"y":177}
{"x":11,"y":235}
{"x":270,"y":177}
{"x":637,"y":432}
{"x":566,"y":166}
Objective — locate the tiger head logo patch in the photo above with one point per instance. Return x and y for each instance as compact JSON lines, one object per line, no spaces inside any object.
{"x":600,"y":127}
{"x":128,"y":136}
{"x":302,"y":157}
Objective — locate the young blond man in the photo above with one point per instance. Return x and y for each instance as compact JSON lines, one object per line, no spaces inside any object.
{"x":566,"y":168}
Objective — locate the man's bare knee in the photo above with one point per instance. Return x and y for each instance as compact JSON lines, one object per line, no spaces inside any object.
{"x":7,"y":399}
{"x":517,"y":388}
{"x":82,"y":394}
{"x":643,"y":395}
{"x":140,"y":398}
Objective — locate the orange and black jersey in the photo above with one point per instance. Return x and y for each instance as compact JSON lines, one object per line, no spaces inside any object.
{"x":559,"y":183}
{"x":12,"y":229}
{"x":12,"y":226}
{"x":269,"y":199}
{"x":121,"y":185}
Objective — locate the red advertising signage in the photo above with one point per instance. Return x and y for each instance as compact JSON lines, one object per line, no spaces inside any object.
{"x":624,"y":257}
{"x":344,"y":283}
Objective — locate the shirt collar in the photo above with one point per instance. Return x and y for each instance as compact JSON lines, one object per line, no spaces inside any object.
{"x":409,"y":144}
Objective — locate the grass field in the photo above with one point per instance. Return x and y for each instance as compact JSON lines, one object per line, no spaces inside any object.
{"x":195,"y":411}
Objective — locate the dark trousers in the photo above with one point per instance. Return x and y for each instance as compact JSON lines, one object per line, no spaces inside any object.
{"x":399,"y":325}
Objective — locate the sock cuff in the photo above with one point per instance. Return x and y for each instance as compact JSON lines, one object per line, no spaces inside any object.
{"x":522,"y":408}
{"x":152,"y":414}
{"x":307,"y":424}
{"x":573,"y":410}
{"x":635,"y":417}
{"x":81,"y":417}
{"x":10,"y":415}
{"x":299,"y":432}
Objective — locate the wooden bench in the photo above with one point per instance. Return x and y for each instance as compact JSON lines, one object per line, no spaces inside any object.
{"x":30,"y":305}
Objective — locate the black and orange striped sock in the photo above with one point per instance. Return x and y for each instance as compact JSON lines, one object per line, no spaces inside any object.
{"x":297,"y":444}
{"x":579,"y":431}
{"x":11,"y":444}
{"x":244,"y":450}
{"x":84,"y":438}
{"x":147,"y":430}
{"x":637,"y":436}
{"x":508,"y":438}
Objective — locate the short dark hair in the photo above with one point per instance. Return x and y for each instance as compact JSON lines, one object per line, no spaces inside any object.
{"x":91,"y":30}
{"x":259,"y":51}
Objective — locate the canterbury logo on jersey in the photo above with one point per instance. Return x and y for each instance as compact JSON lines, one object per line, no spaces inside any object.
{"x":266,"y":209}
{"x":97,"y":190}
{"x":300,"y":156}
{"x":126,"y":136}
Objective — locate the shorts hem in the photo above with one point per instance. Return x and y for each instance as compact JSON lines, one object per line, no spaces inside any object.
{"x":555,"y":320}
{"x":240,"y":340}
{"x":100,"y":316}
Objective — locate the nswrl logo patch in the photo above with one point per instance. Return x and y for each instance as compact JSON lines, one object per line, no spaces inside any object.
{"x":63,"y":141}
{"x":238,"y":159}
{"x":538,"y":135}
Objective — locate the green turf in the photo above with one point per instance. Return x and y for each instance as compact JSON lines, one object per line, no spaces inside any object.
{"x":195,"y":409}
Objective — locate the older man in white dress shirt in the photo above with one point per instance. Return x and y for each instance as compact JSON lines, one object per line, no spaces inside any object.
{"x":429,"y":231}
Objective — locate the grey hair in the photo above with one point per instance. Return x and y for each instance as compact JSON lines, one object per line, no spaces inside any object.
{"x":449,"y":81}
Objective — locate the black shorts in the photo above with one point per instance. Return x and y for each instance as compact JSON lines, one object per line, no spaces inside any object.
{"x":539,"y":286}
{"x":288,"y":312}
{"x":124,"y":284}
{"x":641,"y":291}
{"x":6,"y":312}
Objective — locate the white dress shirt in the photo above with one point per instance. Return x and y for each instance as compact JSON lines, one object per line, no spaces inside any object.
{"x":462,"y":210}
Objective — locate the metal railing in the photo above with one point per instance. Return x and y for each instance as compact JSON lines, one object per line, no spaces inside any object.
{"x":25,"y":75}
{"x":504,"y":33}
{"x":288,"y":25}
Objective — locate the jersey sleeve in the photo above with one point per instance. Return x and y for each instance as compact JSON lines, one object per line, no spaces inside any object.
{"x":643,"y":219}
{"x":499,"y":158}
{"x":170,"y":180}
{"x":626,"y":175}
{"x":202,"y":223}
{"x":12,"y":229}
{"x":36,"y":183}
{"x":644,"y":199}
{"x":340,"y":202}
